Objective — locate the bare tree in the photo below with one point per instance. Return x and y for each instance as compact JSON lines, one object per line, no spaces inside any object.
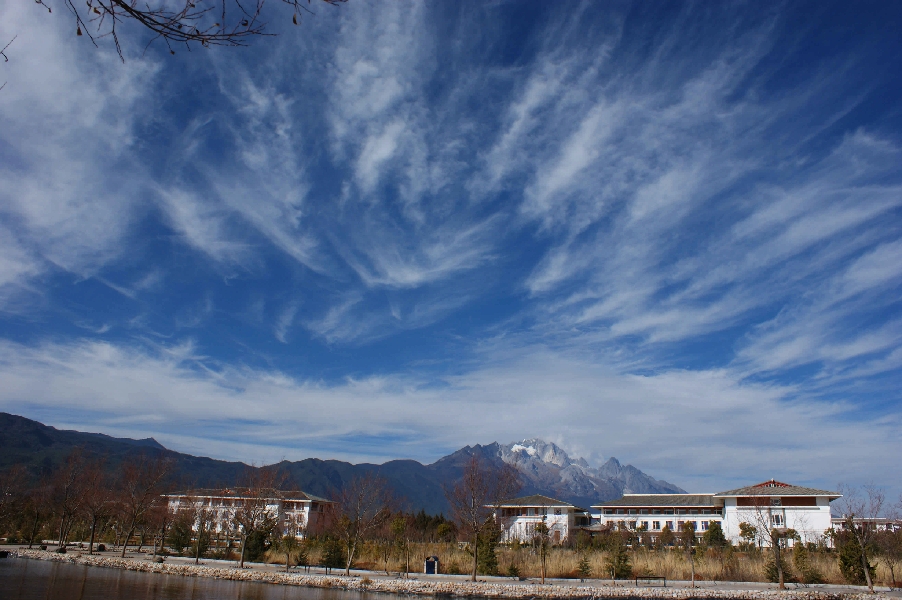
{"x":68,"y":493}
{"x":475,"y":499}
{"x":769,"y":528}
{"x":253,"y":513}
{"x":99,"y":499}
{"x":363,"y":505}
{"x":159,"y":518}
{"x":204,"y":22}
{"x":541,"y":537}
{"x":861,"y":510}
{"x":13,"y":483}
{"x":139,"y":486}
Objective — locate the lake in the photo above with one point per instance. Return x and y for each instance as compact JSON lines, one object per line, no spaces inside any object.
{"x":24,"y":579}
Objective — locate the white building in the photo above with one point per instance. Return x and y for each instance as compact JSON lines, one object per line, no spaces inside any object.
{"x":767,"y":505}
{"x":295,"y":512}
{"x":773,"y":504}
{"x":654,"y":512}
{"x":518,"y":518}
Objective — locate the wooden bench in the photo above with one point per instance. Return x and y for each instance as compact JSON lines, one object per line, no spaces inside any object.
{"x":651,"y":580}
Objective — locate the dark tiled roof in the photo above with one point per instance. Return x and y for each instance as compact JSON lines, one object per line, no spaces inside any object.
{"x":537,"y":500}
{"x":243,"y":493}
{"x":776,"y":488}
{"x":660,"y":500}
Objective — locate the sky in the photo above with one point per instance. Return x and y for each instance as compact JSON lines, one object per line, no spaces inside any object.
{"x":667,"y":232}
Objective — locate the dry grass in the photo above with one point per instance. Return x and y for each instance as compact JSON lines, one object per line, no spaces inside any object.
{"x":563,"y":562}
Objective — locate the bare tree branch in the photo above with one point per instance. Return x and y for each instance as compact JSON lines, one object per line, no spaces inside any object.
{"x":204,"y":22}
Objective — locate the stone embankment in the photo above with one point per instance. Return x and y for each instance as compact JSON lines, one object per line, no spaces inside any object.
{"x":444,"y":588}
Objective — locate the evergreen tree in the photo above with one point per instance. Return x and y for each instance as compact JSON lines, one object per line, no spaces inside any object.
{"x":486,"y":543}
{"x":773,"y":574}
{"x":618,"y":562}
{"x":179,"y":535}
{"x":584,"y":569}
{"x":801,"y":560}
{"x":333,"y":554}
{"x":666,"y":538}
{"x":850,"y":560}
{"x":513,"y":571}
{"x":714,"y":537}
{"x":256,"y":545}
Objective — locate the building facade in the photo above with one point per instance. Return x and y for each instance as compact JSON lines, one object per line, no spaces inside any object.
{"x":518,"y":518}
{"x":764,"y":506}
{"x":295,"y":513}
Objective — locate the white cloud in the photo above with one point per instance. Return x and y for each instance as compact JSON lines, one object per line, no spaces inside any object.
{"x":69,"y":180}
{"x":694,"y":428}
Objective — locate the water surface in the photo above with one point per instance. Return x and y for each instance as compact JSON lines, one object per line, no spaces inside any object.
{"x":24,"y":579}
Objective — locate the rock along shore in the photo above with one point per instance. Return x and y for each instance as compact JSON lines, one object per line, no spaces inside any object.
{"x":466,"y":589}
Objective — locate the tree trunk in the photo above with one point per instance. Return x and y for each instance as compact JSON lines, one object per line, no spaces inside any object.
{"x":692,"y":566}
{"x":287,"y":561}
{"x":241,"y":559}
{"x":475,"y":552}
{"x":62,"y":544}
{"x":352,"y":549}
{"x":128,"y":536}
{"x":407,"y":561}
{"x":93,"y":529}
{"x":34,"y":529}
{"x":779,"y":562}
{"x":867,"y":571}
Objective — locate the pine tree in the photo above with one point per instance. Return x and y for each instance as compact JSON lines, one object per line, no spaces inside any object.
{"x":333,"y":554}
{"x":801,"y":560}
{"x":618,"y":563}
{"x":584,"y":569}
{"x":850,"y":560}
{"x":714,"y":537}
{"x":771,"y":572}
{"x":487,"y":559}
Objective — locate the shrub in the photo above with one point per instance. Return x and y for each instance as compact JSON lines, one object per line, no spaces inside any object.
{"x":513,"y":571}
{"x":770,"y":569}
{"x":801,"y":560}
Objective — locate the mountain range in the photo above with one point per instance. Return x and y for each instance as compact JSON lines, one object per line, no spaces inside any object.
{"x":544,"y":467}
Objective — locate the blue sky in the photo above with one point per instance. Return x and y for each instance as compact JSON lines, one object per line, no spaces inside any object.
{"x":667,"y":232}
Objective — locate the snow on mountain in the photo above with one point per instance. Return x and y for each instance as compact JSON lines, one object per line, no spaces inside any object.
{"x":546,"y":468}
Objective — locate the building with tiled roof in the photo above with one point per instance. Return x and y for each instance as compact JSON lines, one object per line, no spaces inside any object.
{"x":518,"y":518}
{"x":765,"y":506}
{"x":295,"y":512}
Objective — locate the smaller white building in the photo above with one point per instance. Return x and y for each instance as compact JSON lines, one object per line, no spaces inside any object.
{"x":295,"y":513}
{"x":518,"y":518}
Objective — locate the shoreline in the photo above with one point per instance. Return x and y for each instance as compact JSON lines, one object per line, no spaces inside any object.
{"x":460,"y":589}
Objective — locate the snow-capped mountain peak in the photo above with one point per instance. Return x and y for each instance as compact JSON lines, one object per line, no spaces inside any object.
{"x":546,"y":468}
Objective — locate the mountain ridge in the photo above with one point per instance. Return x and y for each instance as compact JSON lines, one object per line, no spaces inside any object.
{"x":544,"y":467}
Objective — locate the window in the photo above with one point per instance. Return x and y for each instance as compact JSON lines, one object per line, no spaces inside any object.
{"x":776,"y":502}
{"x":529,"y":512}
{"x":670,"y":525}
{"x":656,"y":525}
{"x":777,"y":520}
{"x":705,"y":525}
{"x":644,"y":511}
{"x":557,"y":511}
